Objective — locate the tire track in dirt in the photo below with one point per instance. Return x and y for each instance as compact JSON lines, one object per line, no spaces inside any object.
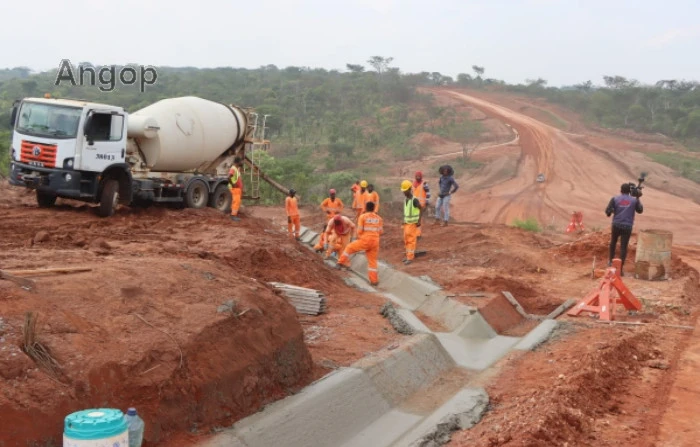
{"x":578,"y":177}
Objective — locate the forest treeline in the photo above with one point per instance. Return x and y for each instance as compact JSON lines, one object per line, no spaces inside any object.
{"x":348,"y":114}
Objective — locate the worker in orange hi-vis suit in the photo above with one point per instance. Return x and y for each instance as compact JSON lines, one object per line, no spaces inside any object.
{"x":235,"y":187}
{"x":338,"y":232}
{"x":369,"y":228}
{"x":373,"y":196}
{"x":293,"y":219}
{"x":360,"y":200}
{"x":355,"y":190}
{"x":421,"y":191}
{"x":323,"y":239}
{"x":332,"y":205}
{"x":412,"y":212}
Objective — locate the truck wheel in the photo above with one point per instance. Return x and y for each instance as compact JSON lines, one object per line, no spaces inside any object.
{"x":45,"y":200}
{"x":109,"y":198}
{"x":221,"y":199}
{"x":196,"y":195}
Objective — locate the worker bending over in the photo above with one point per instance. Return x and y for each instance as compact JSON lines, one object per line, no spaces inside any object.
{"x":421,"y":191}
{"x":323,"y":239}
{"x":235,"y":187}
{"x":332,"y":205}
{"x":293,"y":220}
{"x":338,"y":233}
{"x":412,"y":213}
{"x":369,"y":228}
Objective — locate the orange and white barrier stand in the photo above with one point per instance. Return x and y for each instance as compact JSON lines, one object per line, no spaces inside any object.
{"x":576,"y":221}
{"x":602,"y":301}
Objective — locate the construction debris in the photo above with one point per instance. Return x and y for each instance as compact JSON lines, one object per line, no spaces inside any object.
{"x":306,"y":301}
{"x":389,"y":312}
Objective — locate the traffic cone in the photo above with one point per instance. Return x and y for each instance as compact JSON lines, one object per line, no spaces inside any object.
{"x":576,"y":221}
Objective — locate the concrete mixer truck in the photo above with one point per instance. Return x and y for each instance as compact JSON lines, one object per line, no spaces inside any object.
{"x":175,"y":150}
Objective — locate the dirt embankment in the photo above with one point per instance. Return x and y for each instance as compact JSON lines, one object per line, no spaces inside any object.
{"x":175,"y":318}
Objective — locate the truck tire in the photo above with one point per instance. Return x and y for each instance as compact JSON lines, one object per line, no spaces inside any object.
{"x":45,"y":200}
{"x":221,"y":199}
{"x":109,"y":198}
{"x":197,"y":194}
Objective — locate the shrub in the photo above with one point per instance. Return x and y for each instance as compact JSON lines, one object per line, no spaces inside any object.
{"x":530,"y":224}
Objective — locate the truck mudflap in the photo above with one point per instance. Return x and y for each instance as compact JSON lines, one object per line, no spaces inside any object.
{"x":62,"y":183}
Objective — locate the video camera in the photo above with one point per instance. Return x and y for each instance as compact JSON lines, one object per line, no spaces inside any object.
{"x":636,"y":190}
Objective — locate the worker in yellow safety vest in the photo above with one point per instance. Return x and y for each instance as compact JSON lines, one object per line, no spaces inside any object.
{"x":235,"y":187}
{"x":421,"y":191}
{"x":412,"y":213}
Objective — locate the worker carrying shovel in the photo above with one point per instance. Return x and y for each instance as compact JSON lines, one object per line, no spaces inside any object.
{"x":369,"y":229}
{"x":412,"y":213}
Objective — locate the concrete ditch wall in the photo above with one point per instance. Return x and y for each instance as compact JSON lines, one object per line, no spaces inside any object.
{"x":360,"y":405}
{"x":344,"y":406}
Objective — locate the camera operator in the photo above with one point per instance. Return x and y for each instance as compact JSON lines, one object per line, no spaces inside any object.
{"x":623,"y":206}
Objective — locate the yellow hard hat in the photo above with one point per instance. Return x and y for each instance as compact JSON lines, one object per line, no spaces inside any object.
{"x":406,"y":185}
{"x":363,"y":183}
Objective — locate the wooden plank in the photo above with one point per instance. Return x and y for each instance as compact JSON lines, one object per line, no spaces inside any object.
{"x":37,"y":272}
{"x":22,"y":282}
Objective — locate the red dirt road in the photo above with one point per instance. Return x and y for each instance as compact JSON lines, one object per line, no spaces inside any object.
{"x":579,"y":177}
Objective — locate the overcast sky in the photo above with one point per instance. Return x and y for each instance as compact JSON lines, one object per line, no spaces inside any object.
{"x":563,"y":41}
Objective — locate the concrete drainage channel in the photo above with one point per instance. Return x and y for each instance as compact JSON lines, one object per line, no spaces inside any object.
{"x":373,"y":402}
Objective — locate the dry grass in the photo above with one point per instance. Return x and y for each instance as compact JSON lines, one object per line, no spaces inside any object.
{"x":39,"y":353}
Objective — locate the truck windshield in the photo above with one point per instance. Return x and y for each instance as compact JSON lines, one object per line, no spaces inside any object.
{"x":48,"y":120}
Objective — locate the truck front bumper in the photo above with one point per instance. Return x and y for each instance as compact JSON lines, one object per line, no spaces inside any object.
{"x":60,"y":182}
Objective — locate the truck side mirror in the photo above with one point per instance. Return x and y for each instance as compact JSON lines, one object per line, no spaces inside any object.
{"x":13,"y":115}
{"x":87,"y":129}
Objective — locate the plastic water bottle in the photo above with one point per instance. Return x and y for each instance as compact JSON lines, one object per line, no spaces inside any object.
{"x":136,"y":427}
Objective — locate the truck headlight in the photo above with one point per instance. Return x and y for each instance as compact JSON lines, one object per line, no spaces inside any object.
{"x":68,"y":177}
{"x":68,"y":163}
{"x":14,"y":153}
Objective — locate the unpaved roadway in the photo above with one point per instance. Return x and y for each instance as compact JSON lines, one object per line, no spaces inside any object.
{"x":578,"y":178}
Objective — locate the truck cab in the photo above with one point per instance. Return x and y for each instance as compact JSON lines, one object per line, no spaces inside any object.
{"x":69,"y":148}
